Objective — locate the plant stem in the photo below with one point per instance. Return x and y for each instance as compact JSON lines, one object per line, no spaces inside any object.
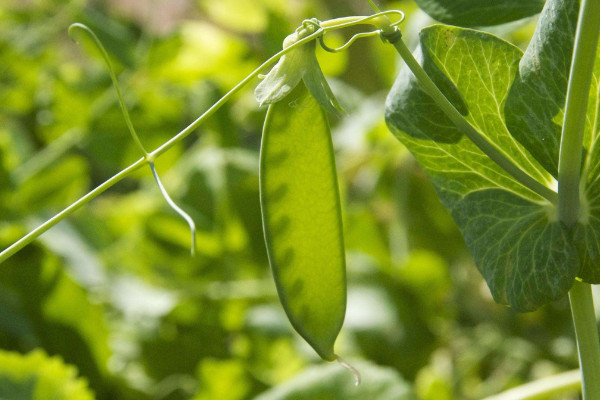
{"x":543,"y":388}
{"x":586,"y":332}
{"x":463,"y":125}
{"x":115,"y":82}
{"x":582,"y":67}
{"x":569,"y":178}
{"x":150,"y":157}
{"x":31,"y":236}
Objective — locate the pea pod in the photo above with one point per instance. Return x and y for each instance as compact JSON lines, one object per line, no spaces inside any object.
{"x":302,"y":219}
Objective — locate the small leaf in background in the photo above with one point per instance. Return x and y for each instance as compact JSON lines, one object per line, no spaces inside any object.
{"x":480,"y":12}
{"x":329,"y":382}
{"x":302,"y":218}
{"x":36,"y":376}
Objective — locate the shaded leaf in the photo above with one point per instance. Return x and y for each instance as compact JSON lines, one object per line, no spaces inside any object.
{"x":535,"y":105}
{"x":480,"y":12}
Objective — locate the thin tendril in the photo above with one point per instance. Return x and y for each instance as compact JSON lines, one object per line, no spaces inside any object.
{"x":334,"y":24}
{"x":354,"y":371}
{"x":176,"y":208}
{"x":328,"y":26}
{"x":348,"y":43}
{"x":113,"y":77}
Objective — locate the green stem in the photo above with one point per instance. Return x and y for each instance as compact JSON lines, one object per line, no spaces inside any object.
{"x":582,"y":67}
{"x":586,"y":332}
{"x":113,"y":77}
{"x":31,"y":236}
{"x":463,"y":125}
{"x":181,"y":135}
{"x":544,"y":388}
{"x":569,"y":178}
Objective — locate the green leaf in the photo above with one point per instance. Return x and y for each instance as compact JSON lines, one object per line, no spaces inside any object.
{"x":536,"y":101}
{"x":524,"y":254}
{"x":55,"y":313}
{"x":588,"y":230}
{"x":331,"y":382}
{"x":479,"y":12}
{"x":302,"y":218}
{"x":299,"y":64}
{"x":535,"y":112}
{"x":36,"y":376}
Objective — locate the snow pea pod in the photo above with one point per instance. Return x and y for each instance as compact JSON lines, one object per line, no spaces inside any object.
{"x":302,"y":219}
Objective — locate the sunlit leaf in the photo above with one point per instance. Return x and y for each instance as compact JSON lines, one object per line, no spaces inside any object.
{"x":521,"y":249}
{"x":36,"y":376}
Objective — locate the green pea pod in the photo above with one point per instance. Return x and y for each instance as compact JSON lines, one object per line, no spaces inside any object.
{"x":302,"y":218}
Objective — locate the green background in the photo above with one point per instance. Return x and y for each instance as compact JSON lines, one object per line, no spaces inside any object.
{"x":113,"y":291}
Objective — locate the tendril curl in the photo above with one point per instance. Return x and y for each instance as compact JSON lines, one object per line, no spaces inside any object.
{"x":340,"y":23}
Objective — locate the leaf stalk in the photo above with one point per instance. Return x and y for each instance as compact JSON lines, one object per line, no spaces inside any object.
{"x":586,"y":332}
{"x":571,"y":144}
{"x":569,"y":181}
{"x":463,"y":125}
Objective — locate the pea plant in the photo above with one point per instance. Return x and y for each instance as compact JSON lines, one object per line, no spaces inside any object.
{"x":508,"y":137}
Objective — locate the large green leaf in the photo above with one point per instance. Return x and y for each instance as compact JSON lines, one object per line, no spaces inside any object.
{"x":480,"y":12}
{"x":302,"y":218}
{"x":331,"y":382}
{"x":522,"y":251}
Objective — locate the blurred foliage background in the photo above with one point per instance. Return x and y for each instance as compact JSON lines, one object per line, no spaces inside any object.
{"x":112,"y":297}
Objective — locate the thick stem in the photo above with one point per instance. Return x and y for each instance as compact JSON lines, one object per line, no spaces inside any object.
{"x":582,"y":67}
{"x":569,"y":177}
{"x":586,"y":332}
{"x":464,"y":126}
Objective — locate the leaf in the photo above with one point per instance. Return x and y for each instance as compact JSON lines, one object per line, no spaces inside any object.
{"x":330,"y":382}
{"x":479,"y":12}
{"x":536,"y":101}
{"x":587,"y":233}
{"x":524,"y":254}
{"x":55,"y":313}
{"x":36,"y":376}
{"x":302,"y":218}
{"x":535,"y":112}
{"x":299,"y":64}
